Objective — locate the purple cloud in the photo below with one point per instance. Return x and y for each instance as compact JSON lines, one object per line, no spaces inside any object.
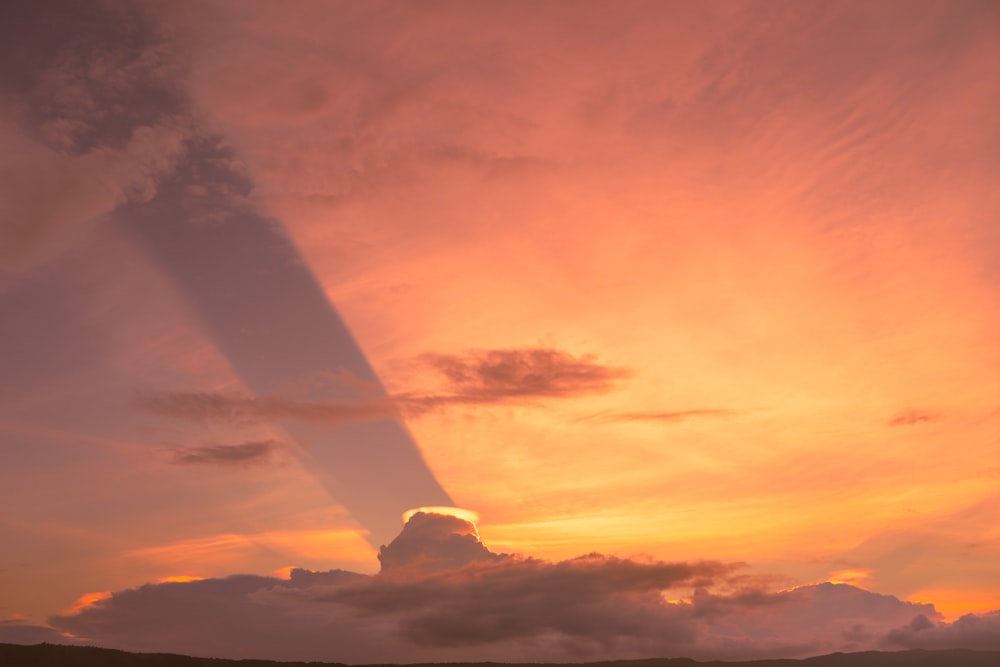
{"x":974,"y":631}
{"x":444,"y":596}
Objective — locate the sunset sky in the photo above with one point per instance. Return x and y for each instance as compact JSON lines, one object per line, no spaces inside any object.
{"x":707,"y":290}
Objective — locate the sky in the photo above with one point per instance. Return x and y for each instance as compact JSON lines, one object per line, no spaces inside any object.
{"x":692,"y":305}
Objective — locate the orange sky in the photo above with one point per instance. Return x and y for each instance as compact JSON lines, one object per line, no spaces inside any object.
{"x":711,"y":282}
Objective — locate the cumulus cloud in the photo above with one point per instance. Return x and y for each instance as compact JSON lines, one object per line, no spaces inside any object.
{"x":814,"y":619}
{"x":975,"y":631}
{"x":442,"y":595}
{"x":590,"y":599}
{"x":228,"y":617}
{"x":433,"y":542}
{"x":246,"y":453}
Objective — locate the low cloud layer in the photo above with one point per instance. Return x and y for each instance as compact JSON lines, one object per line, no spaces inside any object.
{"x":592,"y":601}
{"x":975,"y":631}
{"x":443,"y":595}
{"x":13,"y":631}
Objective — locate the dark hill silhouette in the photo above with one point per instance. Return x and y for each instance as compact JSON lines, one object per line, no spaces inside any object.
{"x":54,"y":655}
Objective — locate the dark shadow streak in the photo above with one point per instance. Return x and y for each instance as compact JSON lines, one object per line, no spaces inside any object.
{"x":268,"y":316}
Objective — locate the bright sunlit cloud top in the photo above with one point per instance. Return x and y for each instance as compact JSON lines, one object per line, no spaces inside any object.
{"x":458,"y":512}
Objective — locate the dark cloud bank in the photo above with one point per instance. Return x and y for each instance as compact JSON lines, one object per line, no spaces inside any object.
{"x":442,"y":595}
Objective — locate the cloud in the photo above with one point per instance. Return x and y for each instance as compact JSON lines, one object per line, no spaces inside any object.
{"x":92,"y":120}
{"x":242,"y":410}
{"x":482,"y":377}
{"x":814,"y":619}
{"x":226,"y":455}
{"x":14,"y":631}
{"x":665,"y":416}
{"x":493,"y":376}
{"x":220,"y":617}
{"x":975,"y":631}
{"x":444,"y":596}
{"x":910,"y":417}
{"x":433,"y":542}
{"x":592,"y":598}
{"x":48,"y":198}
{"x":88,"y":75}
{"x":441,"y":591}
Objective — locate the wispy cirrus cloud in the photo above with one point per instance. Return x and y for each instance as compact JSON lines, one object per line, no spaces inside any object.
{"x":247,"y":453}
{"x":242,"y":409}
{"x":665,"y":416}
{"x":913,"y":416}
{"x":491,"y":376}
{"x":475,"y":378}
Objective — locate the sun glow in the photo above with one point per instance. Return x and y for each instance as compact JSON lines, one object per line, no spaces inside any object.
{"x":87,"y":600}
{"x":955,"y":603}
{"x":179,"y":579}
{"x":464,"y":514}
{"x":857,"y":577}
